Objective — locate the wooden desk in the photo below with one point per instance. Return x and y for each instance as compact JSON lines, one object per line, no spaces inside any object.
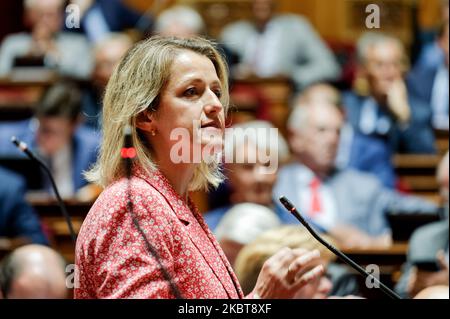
{"x":393,"y":256}
{"x":52,"y":218}
{"x":417,"y":173}
{"x":389,"y":262}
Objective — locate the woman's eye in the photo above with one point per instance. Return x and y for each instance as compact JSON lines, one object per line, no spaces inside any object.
{"x":190,"y":92}
{"x":218,"y":93}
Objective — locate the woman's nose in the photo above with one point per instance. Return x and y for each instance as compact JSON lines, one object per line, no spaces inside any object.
{"x":212,"y":104}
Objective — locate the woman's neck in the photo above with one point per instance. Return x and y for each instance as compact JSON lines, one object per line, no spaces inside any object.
{"x":178,"y":175}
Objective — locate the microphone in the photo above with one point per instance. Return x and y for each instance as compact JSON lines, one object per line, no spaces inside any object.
{"x":128,"y":153}
{"x":291,"y":208}
{"x":24,"y":148}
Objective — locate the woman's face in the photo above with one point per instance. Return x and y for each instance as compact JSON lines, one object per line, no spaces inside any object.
{"x":189,"y":103}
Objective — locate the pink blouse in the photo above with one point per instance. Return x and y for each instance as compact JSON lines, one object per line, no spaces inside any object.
{"x":113,"y":262}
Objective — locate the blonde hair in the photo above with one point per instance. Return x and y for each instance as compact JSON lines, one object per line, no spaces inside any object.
{"x":251,"y":258}
{"x":134,"y":87}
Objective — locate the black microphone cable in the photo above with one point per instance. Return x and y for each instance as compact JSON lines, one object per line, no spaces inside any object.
{"x":291,"y":208}
{"x":128,"y":153}
{"x":24,"y":148}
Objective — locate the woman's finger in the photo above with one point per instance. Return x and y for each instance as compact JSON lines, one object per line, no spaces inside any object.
{"x":297,"y":266}
{"x":308,"y":277}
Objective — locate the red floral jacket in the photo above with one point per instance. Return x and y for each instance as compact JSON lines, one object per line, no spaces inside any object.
{"x":111,"y":257}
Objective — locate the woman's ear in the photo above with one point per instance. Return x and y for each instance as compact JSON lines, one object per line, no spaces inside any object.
{"x":145,"y":122}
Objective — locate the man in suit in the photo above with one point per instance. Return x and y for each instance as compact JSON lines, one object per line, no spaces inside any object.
{"x":348,"y":204}
{"x":68,"y":53}
{"x":100,"y":17}
{"x":18,"y":222}
{"x":383,"y":107}
{"x":359,"y":151}
{"x":284,"y":44}
{"x":430,"y":84}
{"x":428,"y":246}
{"x":56,"y":134}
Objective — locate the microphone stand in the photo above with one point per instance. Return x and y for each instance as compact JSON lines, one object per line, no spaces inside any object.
{"x":291,"y":208}
{"x":24,"y":148}
{"x":128,"y":153}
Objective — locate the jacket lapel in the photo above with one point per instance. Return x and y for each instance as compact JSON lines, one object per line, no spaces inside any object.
{"x":198,"y":232}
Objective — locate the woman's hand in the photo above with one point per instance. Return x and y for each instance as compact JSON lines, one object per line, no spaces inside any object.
{"x":283,"y":274}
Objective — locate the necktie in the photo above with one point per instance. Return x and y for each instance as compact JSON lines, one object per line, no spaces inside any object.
{"x":316,"y":206}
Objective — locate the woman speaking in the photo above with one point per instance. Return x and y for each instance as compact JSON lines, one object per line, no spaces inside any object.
{"x":143,"y":237}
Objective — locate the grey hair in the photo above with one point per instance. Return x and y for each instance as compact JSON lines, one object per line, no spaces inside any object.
{"x":244,"y":222}
{"x":261,"y":141}
{"x":29,"y":4}
{"x":369,"y":39}
{"x":182,"y":14}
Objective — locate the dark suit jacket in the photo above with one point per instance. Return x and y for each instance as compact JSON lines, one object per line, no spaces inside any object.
{"x":370,"y":154}
{"x":420,"y":82}
{"x":418,"y":137}
{"x":17,"y":218}
{"x":85,"y":144}
{"x":118,"y":16}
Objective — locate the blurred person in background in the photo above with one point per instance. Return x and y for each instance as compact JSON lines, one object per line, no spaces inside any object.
{"x":19,"y":224}
{"x":430,"y":51}
{"x":107,"y":54}
{"x":242,"y":224}
{"x":358,"y":151}
{"x":33,"y":272}
{"x":279,"y":45}
{"x":249,"y":180}
{"x":335,"y":280}
{"x":348,"y":204}
{"x":183,"y":21}
{"x":101,"y":17}
{"x":427,"y":261}
{"x":69,"y":54}
{"x":430,"y":84}
{"x":57,"y":135}
{"x":381,"y":106}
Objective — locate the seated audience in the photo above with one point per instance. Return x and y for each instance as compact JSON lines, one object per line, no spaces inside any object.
{"x":180,"y":21}
{"x":33,"y":272}
{"x":241,"y":225}
{"x":56,"y":135}
{"x":348,"y":204}
{"x":381,"y":106}
{"x":19,"y":224}
{"x":183,"y":21}
{"x":100,"y":17}
{"x":284,"y":44}
{"x":361,"y":152}
{"x":428,"y":246}
{"x":430,"y":52}
{"x":107,"y":54}
{"x":68,"y":53}
{"x":249,"y":179}
{"x":431,"y":84}
{"x":252,"y":257}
